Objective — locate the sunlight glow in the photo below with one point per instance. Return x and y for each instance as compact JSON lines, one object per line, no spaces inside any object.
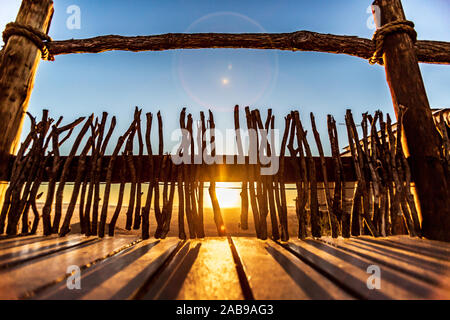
{"x":225,"y":81}
{"x":228,"y":198}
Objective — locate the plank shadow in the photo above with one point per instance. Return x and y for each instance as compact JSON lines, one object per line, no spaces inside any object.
{"x":398,"y":256}
{"x":399,"y":279}
{"x":168,"y":284}
{"x":99,"y":273}
{"x":10,"y":255}
{"x":430,"y":252}
{"x":303,"y":281}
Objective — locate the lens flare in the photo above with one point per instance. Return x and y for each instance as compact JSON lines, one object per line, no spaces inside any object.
{"x":220,"y":78}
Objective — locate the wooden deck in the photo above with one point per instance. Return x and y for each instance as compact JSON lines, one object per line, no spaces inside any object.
{"x":125,"y":267}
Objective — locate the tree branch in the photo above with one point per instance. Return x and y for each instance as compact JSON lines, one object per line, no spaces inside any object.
{"x":427,"y":51}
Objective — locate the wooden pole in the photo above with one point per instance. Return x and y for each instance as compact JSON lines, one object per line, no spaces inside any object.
{"x":18,"y":64}
{"x":427,"y":51}
{"x":421,"y":139}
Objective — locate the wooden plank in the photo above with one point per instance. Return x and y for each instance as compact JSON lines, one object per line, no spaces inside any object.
{"x":26,"y":279}
{"x":118,"y":277}
{"x":15,"y":241}
{"x":429,"y":270}
{"x":350,"y":271}
{"x":225,"y":172}
{"x":22,"y":253}
{"x":276,"y":274}
{"x":425,"y":243}
{"x":423,"y":248}
{"x":203,"y":270}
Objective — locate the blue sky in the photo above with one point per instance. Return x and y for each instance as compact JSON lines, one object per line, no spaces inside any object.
{"x":76,"y":85}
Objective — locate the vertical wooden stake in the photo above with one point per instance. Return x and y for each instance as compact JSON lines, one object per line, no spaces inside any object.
{"x":421,"y":139}
{"x":18,"y":64}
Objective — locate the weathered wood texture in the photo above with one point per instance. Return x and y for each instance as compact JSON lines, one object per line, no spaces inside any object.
{"x":19,"y":60}
{"x":349,"y":269}
{"x":410,"y":259}
{"x":16,"y":254}
{"x":421,"y":139}
{"x":293,"y":279}
{"x":427,"y":51}
{"x":126,"y":268}
{"x":120,"y":276}
{"x":18,"y":66}
{"x":26,"y":279}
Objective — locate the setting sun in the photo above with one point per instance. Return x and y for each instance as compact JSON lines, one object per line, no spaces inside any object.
{"x":228,"y":197}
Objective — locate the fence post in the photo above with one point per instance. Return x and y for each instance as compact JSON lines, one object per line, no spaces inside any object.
{"x":420,"y":138}
{"x":18,"y":63}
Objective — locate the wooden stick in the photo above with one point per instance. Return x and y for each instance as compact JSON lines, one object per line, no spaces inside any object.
{"x":15,"y":174}
{"x":132,"y":172}
{"x":105,"y":202}
{"x":300,"y":201}
{"x":102,"y":143}
{"x":62,"y":179}
{"x":81,"y":205}
{"x":36,"y":213}
{"x":314,"y":202}
{"x":332,"y":216}
{"x":301,"y":204}
{"x":201,"y":134}
{"x":427,"y":51}
{"x":244,"y":191}
{"x":253,"y":201}
{"x":21,"y":188}
{"x":53,"y":172}
{"x":91,"y":180}
{"x":65,"y":228}
{"x":443,"y":131}
{"x":112,"y":223}
{"x":397,"y":174}
{"x":360,"y":171}
{"x":261,"y":192}
{"x":181,"y":232}
{"x":158,"y":213}
{"x":379,"y":158}
{"x":43,"y":128}
{"x":212,"y":185}
{"x":270,"y":123}
{"x":280,"y":192}
{"x":339,"y":181}
{"x":191,"y":178}
{"x":137,"y":210}
{"x":151,"y":185}
{"x":187,"y":198}
{"x":168,"y":206}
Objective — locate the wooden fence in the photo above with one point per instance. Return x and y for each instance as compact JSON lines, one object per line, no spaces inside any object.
{"x":26,"y":41}
{"x":382,"y":200}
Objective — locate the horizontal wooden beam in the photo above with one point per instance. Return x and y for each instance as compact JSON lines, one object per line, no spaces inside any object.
{"x":427,"y":51}
{"x":224,"y":172}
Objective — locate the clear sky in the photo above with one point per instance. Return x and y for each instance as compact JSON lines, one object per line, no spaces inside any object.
{"x":75,"y":85}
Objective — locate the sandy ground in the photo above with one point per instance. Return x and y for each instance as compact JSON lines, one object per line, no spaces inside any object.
{"x":231,"y":217}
